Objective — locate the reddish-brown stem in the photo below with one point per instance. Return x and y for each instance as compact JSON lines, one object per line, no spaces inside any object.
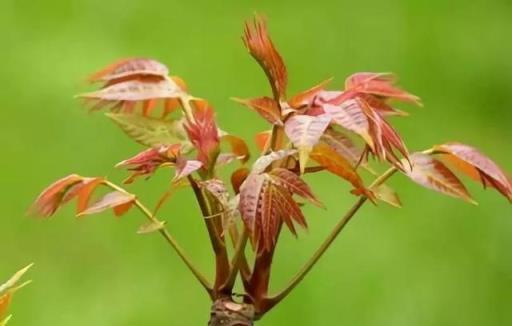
{"x":245,"y":270}
{"x":260,"y":278}
{"x":269,"y":303}
{"x":236,"y":262}
{"x":222,"y":267}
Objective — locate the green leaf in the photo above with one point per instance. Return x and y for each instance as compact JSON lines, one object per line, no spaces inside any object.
{"x":151,"y":227}
{"x":151,"y":131}
{"x":5,"y":321}
{"x":11,"y":283}
{"x":7,"y":290}
{"x":386,"y":194}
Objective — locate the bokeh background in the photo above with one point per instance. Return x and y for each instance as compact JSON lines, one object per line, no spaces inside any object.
{"x":437,"y":261}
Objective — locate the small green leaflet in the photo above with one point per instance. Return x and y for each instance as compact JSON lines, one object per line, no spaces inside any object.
{"x":5,"y":321}
{"x":151,"y":227}
{"x":152,"y":132}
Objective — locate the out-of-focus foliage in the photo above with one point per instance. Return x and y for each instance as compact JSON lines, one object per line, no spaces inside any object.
{"x":7,"y":291}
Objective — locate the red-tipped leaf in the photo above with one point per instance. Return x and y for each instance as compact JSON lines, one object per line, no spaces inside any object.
{"x":433,"y":174}
{"x":260,"y":46}
{"x":266,"y":107}
{"x":304,"y":132}
{"x":110,"y":200}
{"x":328,"y":158}
{"x":203,"y":133}
{"x":478,"y":166}
{"x":294,"y":184}
{"x":130,"y":68}
{"x":380,"y":84}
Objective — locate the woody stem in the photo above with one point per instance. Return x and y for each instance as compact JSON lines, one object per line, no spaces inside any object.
{"x":236,"y":261}
{"x":170,"y":239}
{"x":271,"y":302}
{"x":218,"y":244}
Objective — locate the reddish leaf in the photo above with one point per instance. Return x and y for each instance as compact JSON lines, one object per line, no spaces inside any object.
{"x":267,"y":220}
{"x":342,"y":145}
{"x":306,"y":97}
{"x":231,"y":214}
{"x":263,"y":162}
{"x":148,"y":106}
{"x":180,"y":82}
{"x":351,"y":116}
{"x":266,"y":108}
{"x":130,"y":67}
{"x":203,"y":132}
{"x":148,"y":161}
{"x":338,"y":165}
{"x":262,"y":140}
{"x":264,"y":205}
{"x":186,"y":167}
{"x":304,"y":132}
{"x":385,"y":139}
{"x":228,"y":209}
{"x":84,"y":191}
{"x":65,"y":190}
{"x":379,"y":105}
{"x":294,"y":184}
{"x":217,"y":189}
{"x":380,"y":84}
{"x":122,"y":209}
{"x":262,"y":49}
{"x":478,"y":166}
{"x":136,"y":90}
{"x":148,"y":156}
{"x":250,"y":198}
{"x":52,"y":197}
{"x":288,"y":209}
{"x":433,"y":174}
{"x":238,"y":147}
{"x":225,"y":159}
{"x":356,"y":115}
{"x":238,"y":177}
{"x":330,"y":97}
{"x":5,"y":301}
{"x":137,"y":73}
{"x":110,"y":200}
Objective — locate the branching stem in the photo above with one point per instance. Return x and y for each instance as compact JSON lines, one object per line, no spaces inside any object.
{"x":271,"y":302}
{"x":218,"y":244}
{"x":170,"y":239}
{"x":236,"y":261}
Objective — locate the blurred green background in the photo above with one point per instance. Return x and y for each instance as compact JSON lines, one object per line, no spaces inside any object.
{"x":436,"y":261}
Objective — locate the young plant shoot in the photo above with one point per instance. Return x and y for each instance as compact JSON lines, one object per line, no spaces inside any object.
{"x":320,"y":130}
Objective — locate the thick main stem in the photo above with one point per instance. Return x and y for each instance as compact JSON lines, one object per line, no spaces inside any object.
{"x":225,"y":312}
{"x":260,"y":278}
{"x":243,"y":266}
{"x":218,"y":245}
{"x":236,"y":262}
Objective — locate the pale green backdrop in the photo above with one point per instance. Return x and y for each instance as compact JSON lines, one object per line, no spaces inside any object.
{"x":437,"y":261}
